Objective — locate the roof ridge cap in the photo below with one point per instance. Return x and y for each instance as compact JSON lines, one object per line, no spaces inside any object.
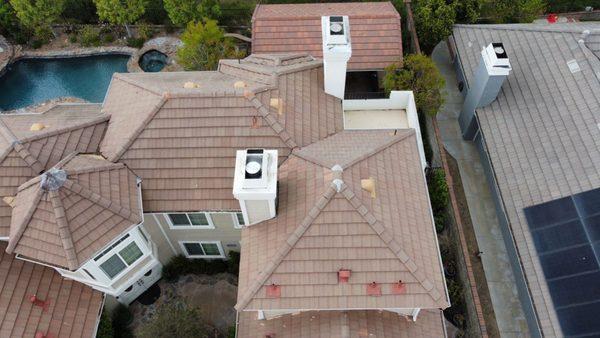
{"x":64,"y":232}
{"x":287,"y":246}
{"x":87,"y":193}
{"x":101,"y":118}
{"x":531,"y":27}
{"x":271,"y":121}
{"x":392,"y":244}
{"x":117,"y":155}
{"x":129,"y":80}
{"x":20,"y":228}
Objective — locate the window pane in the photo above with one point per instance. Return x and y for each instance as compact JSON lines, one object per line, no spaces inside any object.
{"x":179,"y":219}
{"x":130,"y":253}
{"x":198,"y":219}
{"x":193,"y":249}
{"x":240,"y":218}
{"x":211,"y":249}
{"x":113,"y":266}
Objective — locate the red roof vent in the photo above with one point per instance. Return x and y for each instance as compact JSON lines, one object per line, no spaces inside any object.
{"x":344,"y":275}
{"x":373,"y":289}
{"x":552,"y":18}
{"x":39,"y":302}
{"x":274,"y":291}
{"x":399,"y":288}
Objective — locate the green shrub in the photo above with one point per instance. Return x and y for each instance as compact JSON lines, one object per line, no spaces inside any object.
{"x":121,"y":320}
{"x":105,"y":327}
{"x":180,"y":265}
{"x":440,"y":222}
{"x":73,"y":38}
{"x":172,"y":320}
{"x":36,"y":43}
{"x":433,"y":20}
{"x":438,"y":190}
{"x":135,"y":42}
{"x":89,"y":36}
{"x":231,"y":332}
{"x":108,"y":38}
{"x":145,"y":31}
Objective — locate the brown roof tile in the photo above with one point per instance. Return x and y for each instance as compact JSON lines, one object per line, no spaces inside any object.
{"x":24,"y":153}
{"x":72,"y":310}
{"x":342,"y":324}
{"x":67,"y":223}
{"x":327,"y":222}
{"x":162,"y":137}
{"x":374,"y":28}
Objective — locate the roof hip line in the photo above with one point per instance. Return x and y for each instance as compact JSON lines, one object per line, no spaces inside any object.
{"x":63,"y":229}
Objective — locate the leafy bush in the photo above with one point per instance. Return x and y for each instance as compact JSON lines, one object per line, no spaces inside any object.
{"x":175,"y":321}
{"x":440,"y":222}
{"x":513,"y":11}
{"x":231,"y":332}
{"x":181,"y":265}
{"x":204,"y":44}
{"x":108,"y":38}
{"x":182,"y":12}
{"x":121,"y":319}
{"x":135,"y":42}
{"x":105,"y":327}
{"x":145,"y":31}
{"x":37,"y":43}
{"x":420,"y":75}
{"x":438,"y":190}
{"x":73,"y":38}
{"x":434,"y":20}
{"x":38,"y":17}
{"x":89,"y":36}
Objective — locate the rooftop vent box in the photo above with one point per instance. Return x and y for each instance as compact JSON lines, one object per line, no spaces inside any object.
{"x":336,"y":29}
{"x":255,"y":184}
{"x":496,"y":59}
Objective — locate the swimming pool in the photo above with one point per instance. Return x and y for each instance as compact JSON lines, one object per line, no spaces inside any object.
{"x":32,"y":81}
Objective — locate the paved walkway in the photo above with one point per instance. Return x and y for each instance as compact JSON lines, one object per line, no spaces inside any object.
{"x":509,"y":314}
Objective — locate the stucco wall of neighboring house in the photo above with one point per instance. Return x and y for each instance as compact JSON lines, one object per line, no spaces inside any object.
{"x":168,"y":239}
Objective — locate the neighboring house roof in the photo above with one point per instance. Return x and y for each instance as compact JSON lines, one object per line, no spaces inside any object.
{"x":24,"y":153}
{"x":66,"y":215}
{"x":341,"y":324}
{"x":182,"y":141}
{"x":541,"y":134}
{"x":327,"y":222}
{"x":72,"y":310}
{"x":374,"y":28}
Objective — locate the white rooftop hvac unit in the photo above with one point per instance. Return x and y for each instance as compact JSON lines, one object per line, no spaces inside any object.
{"x":255,"y":184}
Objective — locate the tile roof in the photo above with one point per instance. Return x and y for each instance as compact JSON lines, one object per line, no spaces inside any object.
{"x":343,"y":324}
{"x":542,"y":132}
{"x":64,"y":216}
{"x":326,"y":222}
{"x":72,"y":311}
{"x":374,"y":28}
{"x":162,"y":135}
{"x":25,"y":153}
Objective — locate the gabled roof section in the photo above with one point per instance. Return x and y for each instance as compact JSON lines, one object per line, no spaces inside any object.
{"x":163,"y":135}
{"x":327,"y":222}
{"x":374,"y":27}
{"x":33,"y":143}
{"x":64,"y":216}
{"x":72,"y":308}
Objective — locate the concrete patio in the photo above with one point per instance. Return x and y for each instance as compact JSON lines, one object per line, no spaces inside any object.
{"x":501,"y":283}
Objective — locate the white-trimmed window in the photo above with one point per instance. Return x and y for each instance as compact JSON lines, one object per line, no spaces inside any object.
{"x":182,"y":220}
{"x":238,"y":220}
{"x":202,"y":249}
{"x":119,"y":256}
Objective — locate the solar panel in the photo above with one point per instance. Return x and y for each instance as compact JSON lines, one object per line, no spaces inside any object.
{"x":566,"y":234}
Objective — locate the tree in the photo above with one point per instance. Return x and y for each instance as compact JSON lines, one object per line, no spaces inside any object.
{"x":175,"y":321}
{"x":181,"y":12}
{"x":38,"y":15}
{"x":420,"y":75}
{"x":514,"y":11}
{"x":120,"y":12}
{"x":434,"y":20}
{"x":468,"y":11}
{"x":204,"y":44}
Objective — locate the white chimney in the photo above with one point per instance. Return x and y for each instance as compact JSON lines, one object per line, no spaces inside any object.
{"x":488,"y":78}
{"x":255,"y":184}
{"x":337,"y":50}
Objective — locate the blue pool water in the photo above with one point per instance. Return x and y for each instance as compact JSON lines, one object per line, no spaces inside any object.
{"x":33,"y":81}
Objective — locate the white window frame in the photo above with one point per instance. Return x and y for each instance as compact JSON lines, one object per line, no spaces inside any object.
{"x":93,"y":266}
{"x":236,"y":222}
{"x":187,"y":227}
{"x":218,"y":243}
